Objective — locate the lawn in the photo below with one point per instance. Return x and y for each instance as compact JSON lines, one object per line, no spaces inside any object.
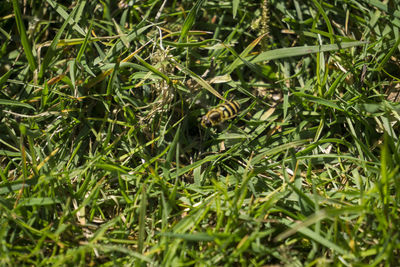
{"x":105,"y":161}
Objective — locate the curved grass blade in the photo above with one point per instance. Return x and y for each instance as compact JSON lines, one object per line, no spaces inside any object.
{"x":14,"y":103}
{"x":240,"y":59}
{"x":53,"y":46}
{"x":199,"y":80}
{"x":301,"y":51}
{"x":64,"y":15}
{"x":23,"y":36}
{"x":319,"y":100}
{"x":190,"y":20}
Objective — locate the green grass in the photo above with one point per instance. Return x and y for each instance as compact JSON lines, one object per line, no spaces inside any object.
{"x":103,"y":161}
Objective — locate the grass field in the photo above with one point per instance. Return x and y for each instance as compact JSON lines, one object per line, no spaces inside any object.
{"x":104,"y":162}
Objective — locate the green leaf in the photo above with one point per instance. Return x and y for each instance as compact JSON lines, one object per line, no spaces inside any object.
{"x":190,"y":19}
{"x":60,"y":10}
{"x":39,"y":201}
{"x":318,"y":100}
{"x":24,"y":38}
{"x":301,"y":51}
{"x":15,"y":103}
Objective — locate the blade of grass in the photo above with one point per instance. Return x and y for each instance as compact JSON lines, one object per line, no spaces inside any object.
{"x":60,"y":10}
{"x":242,"y":57}
{"x":187,"y":25}
{"x":15,"y":103}
{"x":51,"y":51}
{"x":301,"y":51}
{"x":24,"y":38}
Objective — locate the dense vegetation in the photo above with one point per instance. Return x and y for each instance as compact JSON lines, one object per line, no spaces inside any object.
{"x":103,"y":159}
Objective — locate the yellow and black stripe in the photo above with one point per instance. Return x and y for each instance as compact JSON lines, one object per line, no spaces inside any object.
{"x":220,"y":114}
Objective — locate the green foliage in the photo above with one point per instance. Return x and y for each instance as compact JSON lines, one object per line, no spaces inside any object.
{"x":103,"y":160}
